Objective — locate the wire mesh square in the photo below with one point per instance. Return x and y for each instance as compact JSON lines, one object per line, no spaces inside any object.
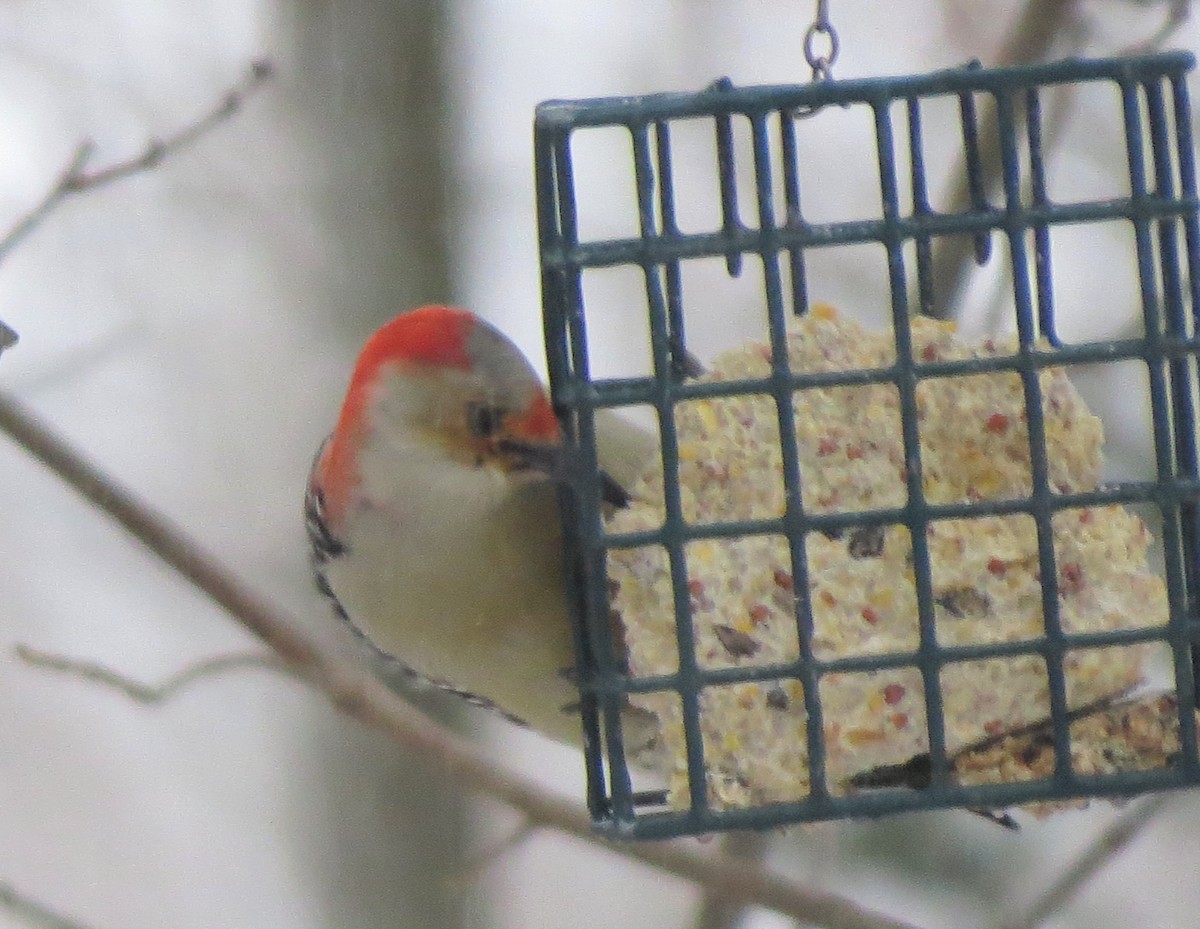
{"x":631,"y":276}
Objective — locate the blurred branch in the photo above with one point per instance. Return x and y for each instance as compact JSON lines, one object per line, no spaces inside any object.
{"x":1030,"y":41}
{"x":1178,"y":12}
{"x":1031,"y":38}
{"x":8,"y":337}
{"x":1106,"y":846}
{"x":33,"y":912}
{"x":136,"y":690}
{"x":479,"y":862}
{"x":717,"y":912}
{"x":75,"y":178}
{"x":359,"y":694}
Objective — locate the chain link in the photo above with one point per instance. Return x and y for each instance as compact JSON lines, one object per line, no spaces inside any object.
{"x":821,"y":33}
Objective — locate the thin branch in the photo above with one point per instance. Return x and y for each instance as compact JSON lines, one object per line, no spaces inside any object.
{"x":1106,"y":846}
{"x":1034,"y":34}
{"x":360,"y":695}
{"x":33,"y":912}
{"x":1056,"y":118}
{"x":1178,"y":12}
{"x":75,"y":178}
{"x":716,"y":912}
{"x":482,"y":860}
{"x":138,"y":691}
{"x":1039,"y":25}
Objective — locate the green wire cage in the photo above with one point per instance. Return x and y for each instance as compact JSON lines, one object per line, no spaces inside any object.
{"x":1159,"y":207}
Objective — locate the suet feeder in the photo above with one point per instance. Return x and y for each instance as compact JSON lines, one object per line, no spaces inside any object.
{"x":1049,"y":757}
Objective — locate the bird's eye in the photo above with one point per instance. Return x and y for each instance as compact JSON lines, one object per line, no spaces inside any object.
{"x":484,"y":420}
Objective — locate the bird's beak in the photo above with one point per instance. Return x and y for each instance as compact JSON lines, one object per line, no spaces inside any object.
{"x":559,"y":463}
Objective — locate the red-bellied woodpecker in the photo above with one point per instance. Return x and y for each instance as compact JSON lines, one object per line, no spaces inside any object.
{"x":433,"y":516}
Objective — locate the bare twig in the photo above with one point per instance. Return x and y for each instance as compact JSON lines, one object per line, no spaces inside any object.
{"x":479,"y":862}
{"x":1178,"y":12}
{"x":715,"y":911}
{"x":357,"y":693}
{"x":1106,"y":846}
{"x":1039,"y":25}
{"x":8,"y":337}
{"x":138,"y":691}
{"x":75,"y":177}
{"x":33,"y":912}
{"x":1041,"y":22}
{"x":1056,"y":117}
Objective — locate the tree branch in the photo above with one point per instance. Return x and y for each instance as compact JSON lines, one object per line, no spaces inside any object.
{"x":75,"y":178}
{"x":1031,"y":38}
{"x":31,"y":911}
{"x":716,"y":912}
{"x":1041,"y":22}
{"x":481,"y":861}
{"x":1099,"y":852}
{"x":1178,"y":12}
{"x":138,"y":691}
{"x":359,"y":694}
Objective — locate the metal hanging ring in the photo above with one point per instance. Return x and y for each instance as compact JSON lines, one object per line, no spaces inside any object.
{"x":821,"y":64}
{"x":821,"y":32}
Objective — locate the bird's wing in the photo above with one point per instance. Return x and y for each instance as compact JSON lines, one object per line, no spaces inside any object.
{"x":323,"y":544}
{"x":322,"y":541}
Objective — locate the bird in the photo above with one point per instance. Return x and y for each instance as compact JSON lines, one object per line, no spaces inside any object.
{"x":433,"y":521}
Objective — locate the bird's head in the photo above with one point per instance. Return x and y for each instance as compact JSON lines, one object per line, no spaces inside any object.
{"x":440,"y":387}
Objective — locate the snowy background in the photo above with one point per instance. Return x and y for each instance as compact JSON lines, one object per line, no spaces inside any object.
{"x":192,"y":329}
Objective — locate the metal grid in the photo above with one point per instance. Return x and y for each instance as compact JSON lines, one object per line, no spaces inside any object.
{"x":1162,"y":210}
